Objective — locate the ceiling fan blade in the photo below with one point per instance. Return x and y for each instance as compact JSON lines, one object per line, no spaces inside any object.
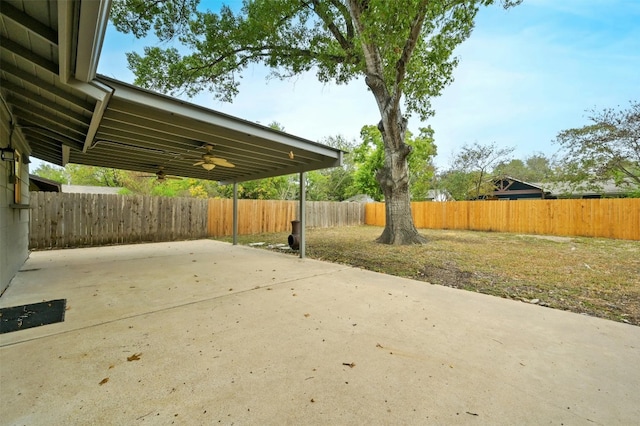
{"x":221,"y":162}
{"x":199,"y":163}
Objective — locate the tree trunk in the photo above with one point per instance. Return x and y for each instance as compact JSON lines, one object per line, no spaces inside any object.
{"x":394,"y":181}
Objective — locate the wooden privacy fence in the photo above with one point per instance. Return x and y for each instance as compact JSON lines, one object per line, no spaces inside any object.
{"x":608,"y":218}
{"x":75,"y":220}
{"x":71,"y":220}
{"x":264,"y":216}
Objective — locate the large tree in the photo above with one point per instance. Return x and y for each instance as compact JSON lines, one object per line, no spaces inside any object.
{"x":402,"y":48}
{"x":608,"y":148}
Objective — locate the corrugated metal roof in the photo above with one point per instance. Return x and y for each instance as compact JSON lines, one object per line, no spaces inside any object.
{"x":68,"y":114}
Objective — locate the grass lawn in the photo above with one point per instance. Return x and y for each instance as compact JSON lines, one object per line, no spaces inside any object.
{"x":593,"y":276}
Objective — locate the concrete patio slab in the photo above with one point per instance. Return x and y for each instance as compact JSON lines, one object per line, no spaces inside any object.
{"x":237,"y":335}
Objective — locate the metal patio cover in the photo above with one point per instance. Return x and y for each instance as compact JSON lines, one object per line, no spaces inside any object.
{"x":49,"y":51}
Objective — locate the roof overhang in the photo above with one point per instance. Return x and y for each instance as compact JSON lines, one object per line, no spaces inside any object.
{"x":49,"y":52}
{"x":37,"y":183}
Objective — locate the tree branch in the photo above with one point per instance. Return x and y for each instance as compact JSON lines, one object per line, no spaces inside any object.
{"x":374,"y":69}
{"x":344,"y":11}
{"x":262,"y":51}
{"x":409,"y":47}
{"x":345,"y":43}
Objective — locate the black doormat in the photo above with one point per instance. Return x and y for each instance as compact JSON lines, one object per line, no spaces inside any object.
{"x":34,"y":315}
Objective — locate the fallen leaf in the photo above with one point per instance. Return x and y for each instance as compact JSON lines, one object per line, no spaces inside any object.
{"x":103,"y":381}
{"x":350,"y":365}
{"x":307,"y":315}
{"x":134,"y":357}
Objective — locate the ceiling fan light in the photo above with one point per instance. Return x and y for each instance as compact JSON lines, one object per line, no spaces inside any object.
{"x":208,"y":166}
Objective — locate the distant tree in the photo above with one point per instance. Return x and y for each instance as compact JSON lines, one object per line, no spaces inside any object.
{"x":202,"y":188}
{"x":421,"y":168}
{"x":95,"y":176}
{"x":459,"y":184}
{"x":144,"y":184}
{"x":333,"y":184}
{"x":273,"y":188}
{"x":539,"y":168}
{"x":402,"y":48}
{"x":51,"y":172}
{"x":135,"y":183}
{"x":515,"y":168}
{"x":368,"y":158}
{"x":535,"y":168}
{"x":475,"y":163}
{"x":608,"y":148}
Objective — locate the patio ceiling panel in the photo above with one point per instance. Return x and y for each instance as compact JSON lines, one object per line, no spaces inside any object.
{"x":181,"y":147}
{"x":49,"y":85}
{"x":39,"y":102}
{"x":48,"y":57}
{"x":157,"y":134}
{"x":25,"y":97}
{"x":171,"y":133}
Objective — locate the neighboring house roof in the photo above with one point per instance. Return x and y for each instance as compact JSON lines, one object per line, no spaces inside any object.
{"x":512,"y":188}
{"x":86,"y":189}
{"x":607,"y":188}
{"x":37,"y":183}
{"x":67,"y":114}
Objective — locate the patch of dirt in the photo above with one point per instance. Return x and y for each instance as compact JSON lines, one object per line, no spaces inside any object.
{"x":448,"y":275}
{"x":549,"y":238}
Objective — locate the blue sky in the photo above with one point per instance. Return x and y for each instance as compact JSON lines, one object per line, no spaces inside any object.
{"x":525,"y":74}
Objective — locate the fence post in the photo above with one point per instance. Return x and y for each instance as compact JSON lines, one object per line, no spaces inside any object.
{"x":303,"y":213}
{"x":235,"y":213}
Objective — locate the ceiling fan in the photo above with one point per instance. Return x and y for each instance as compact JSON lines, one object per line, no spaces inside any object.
{"x":209,"y":161}
{"x":161,"y":176}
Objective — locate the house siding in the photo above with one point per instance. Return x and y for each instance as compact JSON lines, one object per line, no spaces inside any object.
{"x":14,"y":223}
